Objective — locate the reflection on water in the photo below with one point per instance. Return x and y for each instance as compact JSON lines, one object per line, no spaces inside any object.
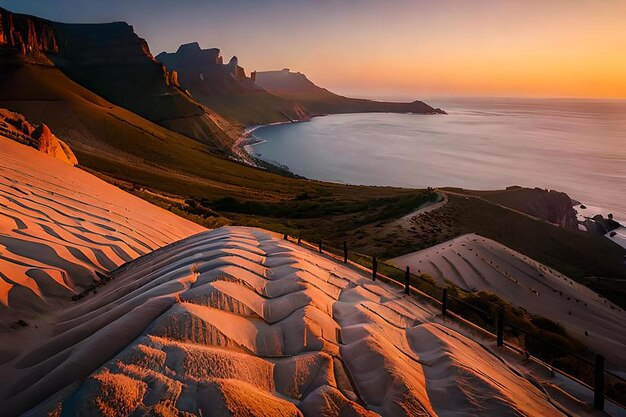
{"x":576,"y":146}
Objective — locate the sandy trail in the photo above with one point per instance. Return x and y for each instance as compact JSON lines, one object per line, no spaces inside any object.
{"x":407,"y":221}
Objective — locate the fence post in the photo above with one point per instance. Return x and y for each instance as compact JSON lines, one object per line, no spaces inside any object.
{"x":320,"y":246}
{"x":345,"y":252}
{"x":374,"y":268}
{"x":598,"y":383}
{"x":444,"y":302}
{"x":407,"y":280}
{"x":299,"y":237}
{"x":500,"y":329}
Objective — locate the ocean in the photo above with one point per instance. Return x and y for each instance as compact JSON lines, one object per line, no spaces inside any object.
{"x":575,"y":146}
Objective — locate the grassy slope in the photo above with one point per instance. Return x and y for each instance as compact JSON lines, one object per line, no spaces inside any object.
{"x":252,"y":108}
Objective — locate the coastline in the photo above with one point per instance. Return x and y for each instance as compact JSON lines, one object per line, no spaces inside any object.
{"x":618,"y":235}
{"x":242,"y":148}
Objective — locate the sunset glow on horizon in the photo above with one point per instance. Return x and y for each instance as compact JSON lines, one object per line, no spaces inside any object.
{"x":402,"y":48}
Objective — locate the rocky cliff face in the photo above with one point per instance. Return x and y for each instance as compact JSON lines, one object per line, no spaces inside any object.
{"x":555,"y":207}
{"x":32,"y":37}
{"x":16,"y":127}
{"x":225,"y":88}
{"x":203,"y":72}
{"x":113,"y":62}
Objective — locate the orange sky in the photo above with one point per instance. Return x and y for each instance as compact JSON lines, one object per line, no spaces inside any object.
{"x":567,"y":49}
{"x":403,"y":48}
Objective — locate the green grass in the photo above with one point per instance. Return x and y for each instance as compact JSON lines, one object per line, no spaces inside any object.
{"x":255,"y":108}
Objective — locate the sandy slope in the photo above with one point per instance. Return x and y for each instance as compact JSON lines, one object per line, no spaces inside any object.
{"x":60,"y":226}
{"x":236,"y":321}
{"x":476,"y":263}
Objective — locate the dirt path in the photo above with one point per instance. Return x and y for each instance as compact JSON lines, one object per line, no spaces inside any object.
{"x":441,"y":201}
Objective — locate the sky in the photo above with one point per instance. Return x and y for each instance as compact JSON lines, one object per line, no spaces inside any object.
{"x":391,"y":48}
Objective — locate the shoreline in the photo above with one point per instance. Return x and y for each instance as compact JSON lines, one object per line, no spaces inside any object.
{"x":617,"y":235}
{"x":242,"y":148}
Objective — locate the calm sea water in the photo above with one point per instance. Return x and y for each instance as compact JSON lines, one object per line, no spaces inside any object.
{"x":576,"y":146}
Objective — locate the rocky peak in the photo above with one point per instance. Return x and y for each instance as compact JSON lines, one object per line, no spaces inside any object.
{"x":189,"y":48}
{"x":203,"y":71}
{"x":110,"y":60}
{"x":190,"y":56}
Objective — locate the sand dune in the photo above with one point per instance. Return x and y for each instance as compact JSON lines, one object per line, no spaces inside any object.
{"x":60,"y":227}
{"x":236,"y":321}
{"x":476,"y":263}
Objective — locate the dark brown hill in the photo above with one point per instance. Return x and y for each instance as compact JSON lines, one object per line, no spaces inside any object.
{"x":296,"y":87}
{"x":113,"y":62}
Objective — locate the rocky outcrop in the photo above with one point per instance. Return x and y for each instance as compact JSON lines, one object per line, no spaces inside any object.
{"x":600,"y":225}
{"x":15,"y":127}
{"x":553,"y":206}
{"x":51,"y":145}
{"x":297,"y":87}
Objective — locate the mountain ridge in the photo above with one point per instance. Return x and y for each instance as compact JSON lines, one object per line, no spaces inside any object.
{"x":225,"y":87}
{"x":110,"y":60}
{"x":295,"y":86}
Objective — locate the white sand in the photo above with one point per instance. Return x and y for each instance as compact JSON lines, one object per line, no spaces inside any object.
{"x":480,"y":264}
